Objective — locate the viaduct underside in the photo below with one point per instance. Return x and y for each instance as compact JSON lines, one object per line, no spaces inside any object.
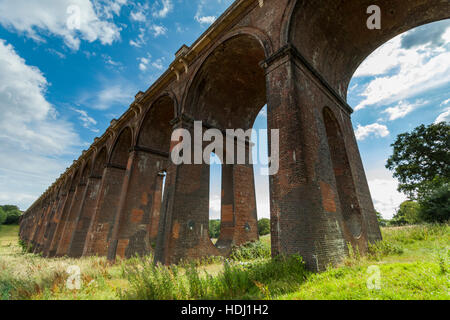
{"x":296,"y":56}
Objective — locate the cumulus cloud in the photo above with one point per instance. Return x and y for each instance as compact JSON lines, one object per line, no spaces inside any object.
{"x":402,"y":109}
{"x":72,"y":20}
{"x":404,"y":68}
{"x":363,"y":132}
{"x":32,"y":134}
{"x":431,"y":34}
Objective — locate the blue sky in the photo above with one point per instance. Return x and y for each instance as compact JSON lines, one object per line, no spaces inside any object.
{"x":60,"y":86}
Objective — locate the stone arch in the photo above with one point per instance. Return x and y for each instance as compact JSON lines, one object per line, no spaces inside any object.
{"x":154,"y":130}
{"x":100,"y":161}
{"x":229,"y":89}
{"x":87,"y":169}
{"x":259,"y":36}
{"x":340,"y":40}
{"x":121,"y":148}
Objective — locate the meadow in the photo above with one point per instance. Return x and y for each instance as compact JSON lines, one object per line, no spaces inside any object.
{"x":411,"y":262}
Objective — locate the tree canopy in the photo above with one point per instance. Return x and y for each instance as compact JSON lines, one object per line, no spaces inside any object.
{"x":421,"y":159}
{"x":11,"y":214}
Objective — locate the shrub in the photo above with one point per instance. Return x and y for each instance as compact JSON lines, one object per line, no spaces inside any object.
{"x":384,"y":248}
{"x":264,"y":227}
{"x":251,"y":251}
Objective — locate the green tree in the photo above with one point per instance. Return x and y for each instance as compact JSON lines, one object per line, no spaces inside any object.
{"x":263,"y":226}
{"x":408,"y":213}
{"x":214,"y":229}
{"x":421,"y":159}
{"x":12,"y":214}
{"x":381,"y":221}
{"x":2,"y":216}
{"x":435,"y":207}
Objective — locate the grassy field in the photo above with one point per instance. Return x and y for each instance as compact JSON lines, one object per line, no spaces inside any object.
{"x":410,"y":263}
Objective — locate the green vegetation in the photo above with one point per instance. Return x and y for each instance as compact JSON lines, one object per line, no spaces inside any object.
{"x":435,"y":206}
{"x":3,"y":216}
{"x":264,"y":227}
{"x":421,"y":162}
{"x":408,"y":213}
{"x":214,"y":229}
{"x":9,"y":214}
{"x":421,"y":159}
{"x":414,"y":263}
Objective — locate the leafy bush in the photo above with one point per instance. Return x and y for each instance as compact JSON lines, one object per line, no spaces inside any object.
{"x":435,"y":207}
{"x":264,"y":226}
{"x":251,"y":251}
{"x":384,"y":248}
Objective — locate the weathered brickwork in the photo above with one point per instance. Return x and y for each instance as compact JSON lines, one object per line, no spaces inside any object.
{"x":296,"y":56}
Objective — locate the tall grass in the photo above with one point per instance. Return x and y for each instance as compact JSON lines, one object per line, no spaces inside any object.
{"x":253,"y":280}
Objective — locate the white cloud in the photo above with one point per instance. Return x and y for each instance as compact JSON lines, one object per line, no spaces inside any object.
{"x":208,"y":10}
{"x":444,"y":116}
{"x":140,"y":41}
{"x":386,"y":198}
{"x":158,"y":64}
{"x":158,"y":30}
{"x":206,"y":19}
{"x":87,"y":121}
{"x":446,"y":102}
{"x":36,"y":141}
{"x":73,"y":20}
{"x":143,"y":63}
{"x":163,"y":9}
{"x":376,"y":129}
{"x":138,"y":16}
{"x":402,"y":109}
{"x":215,"y":207}
{"x":113,"y":95}
{"x":403,"y":73}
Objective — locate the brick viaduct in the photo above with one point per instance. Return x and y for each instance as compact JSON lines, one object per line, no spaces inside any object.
{"x":296,"y":56}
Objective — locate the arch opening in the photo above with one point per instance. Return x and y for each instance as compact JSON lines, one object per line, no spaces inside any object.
{"x":228,"y":92}
{"x":215,"y":198}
